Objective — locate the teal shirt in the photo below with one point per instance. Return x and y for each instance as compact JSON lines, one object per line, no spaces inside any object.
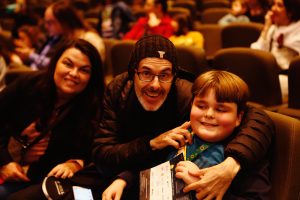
{"x":203,"y":154}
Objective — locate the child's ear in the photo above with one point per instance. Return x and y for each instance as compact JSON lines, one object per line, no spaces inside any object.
{"x":239,"y":118}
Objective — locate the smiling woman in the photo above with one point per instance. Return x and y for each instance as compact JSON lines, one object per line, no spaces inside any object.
{"x":72,"y":73}
{"x":61,"y":103}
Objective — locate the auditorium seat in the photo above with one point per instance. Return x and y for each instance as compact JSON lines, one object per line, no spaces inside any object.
{"x":192,"y":59}
{"x":212,"y":38}
{"x":212,"y":15}
{"x":240,"y":34}
{"x":257,"y":68}
{"x":120,"y":55}
{"x":293,"y":107}
{"x":285,"y":161}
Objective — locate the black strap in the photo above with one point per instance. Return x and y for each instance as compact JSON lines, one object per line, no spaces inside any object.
{"x":61,"y":115}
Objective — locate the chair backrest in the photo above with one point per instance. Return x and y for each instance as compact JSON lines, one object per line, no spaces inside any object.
{"x":285,"y":162}
{"x":240,"y":34}
{"x":212,"y":38}
{"x":188,"y":4}
{"x":120,"y":55}
{"x":293,"y":107}
{"x":257,"y":68}
{"x":294,"y":83}
{"x":179,"y":11}
{"x":14,"y":73}
{"x":93,"y":12}
{"x":107,"y":65}
{"x":192,"y":59}
{"x":212,"y":15}
{"x":139,"y":12}
{"x":206,"y":4}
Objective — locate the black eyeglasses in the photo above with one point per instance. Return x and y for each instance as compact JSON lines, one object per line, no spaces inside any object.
{"x":148,"y":76}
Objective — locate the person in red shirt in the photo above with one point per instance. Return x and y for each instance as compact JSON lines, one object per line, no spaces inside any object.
{"x":157,"y":21}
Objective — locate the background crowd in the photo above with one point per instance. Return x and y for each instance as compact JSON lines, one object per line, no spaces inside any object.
{"x":66,"y":46}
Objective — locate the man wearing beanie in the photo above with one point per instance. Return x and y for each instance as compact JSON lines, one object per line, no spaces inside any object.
{"x":145,"y":117}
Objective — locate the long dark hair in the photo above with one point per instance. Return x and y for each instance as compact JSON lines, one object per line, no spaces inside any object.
{"x":292,"y":8}
{"x":68,"y":16}
{"x":89,"y":101}
{"x":163,"y":4}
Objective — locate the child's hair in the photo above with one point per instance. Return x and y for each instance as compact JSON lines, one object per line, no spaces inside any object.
{"x":228,"y":87}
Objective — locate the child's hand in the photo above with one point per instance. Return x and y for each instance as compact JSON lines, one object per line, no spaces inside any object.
{"x":115,"y":190}
{"x":183,"y":170}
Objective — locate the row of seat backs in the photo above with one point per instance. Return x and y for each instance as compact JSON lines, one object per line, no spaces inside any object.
{"x":257,"y":68}
{"x":217,"y":37}
{"x":190,"y":59}
{"x":237,"y":34}
{"x":204,"y":11}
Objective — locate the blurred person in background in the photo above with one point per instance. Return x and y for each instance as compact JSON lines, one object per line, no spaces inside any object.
{"x":238,"y":13}
{"x":281,"y":36}
{"x":115,"y":19}
{"x":30,"y":36}
{"x":183,"y":33}
{"x":40,"y":58}
{"x":257,"y":10}
{"x":62,"y":21}
{"x":157,"y":21}
{"x":73,"y":25}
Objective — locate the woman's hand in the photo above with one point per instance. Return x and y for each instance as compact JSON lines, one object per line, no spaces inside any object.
{"x":176,"y":137}
{"x":183,"y":170}
{"x":214,"y":181}
{"x":24,"y":52}
{"x":13,"y":172}
{"x":268,"y":23}
{"x":67,"y":169}
{"x":115,"y":190}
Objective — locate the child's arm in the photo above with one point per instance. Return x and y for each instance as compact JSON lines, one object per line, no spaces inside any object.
{"x":184,"y":170}
{"x":115,"y":190}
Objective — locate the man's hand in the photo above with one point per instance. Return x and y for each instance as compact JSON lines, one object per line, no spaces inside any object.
{"x":67,"y":169}
{"x":214,"y":181}
{"x":176,"y":137}
{"x":183,"y":170}
{"x":13,"y":172}
{"x":115,"y":190}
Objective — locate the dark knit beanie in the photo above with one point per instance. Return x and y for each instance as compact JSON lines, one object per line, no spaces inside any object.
{"x":153,"y":46}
